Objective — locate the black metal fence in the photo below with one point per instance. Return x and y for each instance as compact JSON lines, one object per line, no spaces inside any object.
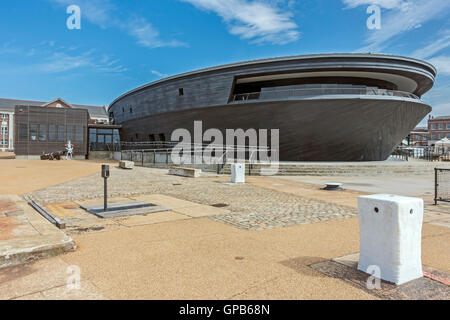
{"x":442,"y":185}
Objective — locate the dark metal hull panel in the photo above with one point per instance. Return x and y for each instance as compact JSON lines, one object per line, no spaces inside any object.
{"x":351,"y":129}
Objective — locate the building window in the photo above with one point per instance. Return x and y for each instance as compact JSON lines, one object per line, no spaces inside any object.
{"x":425,"y":137}
{"x":433,"y":136}
{"x":162,"y":137}
{"x":52,"y":133}
{"x":448,"y":126}
{"x":61,"y":134}
{"x":4,"y":116}
{"x":4,"y":130}
{"x":69,"y":133}
{"x":433,"y":126}
{"x":33,"y":132}
{"x":181,"y":92}
{"x":79,"y":134}
{"x":131,"y":109}
{"x":42,"y":132}
{"x":23,"y":132}
{"x":441,"y":126}
{"x":151,"y":137}
{"x":441,"y":135}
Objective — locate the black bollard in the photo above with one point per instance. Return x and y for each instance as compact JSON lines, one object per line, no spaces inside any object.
{"x":105,"y":175}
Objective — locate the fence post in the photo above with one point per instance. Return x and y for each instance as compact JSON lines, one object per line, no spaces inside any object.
{"x":436,"y":186}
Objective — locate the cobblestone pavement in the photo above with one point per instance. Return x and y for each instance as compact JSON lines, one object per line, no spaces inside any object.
{"x":251,"y":207}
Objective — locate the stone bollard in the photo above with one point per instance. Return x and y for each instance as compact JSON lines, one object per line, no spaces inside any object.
{"x":238,"y":173}
{"x":126,"y":164}
{"x":391,"y":236}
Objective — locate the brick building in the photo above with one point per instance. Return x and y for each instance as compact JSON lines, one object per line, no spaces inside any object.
{"x":419,"y":137}
{"x":439,"y":128}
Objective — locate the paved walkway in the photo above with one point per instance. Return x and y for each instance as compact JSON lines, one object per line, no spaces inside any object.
{"x":198,"y":257}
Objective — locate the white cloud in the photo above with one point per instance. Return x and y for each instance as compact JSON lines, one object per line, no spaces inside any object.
{"x":147,"y":36}
{"x":159,"y":74}
{"x":257,"y":21}
{"x":433,"y":47}
{"x":46,"y":59}
{"x":104,"y":14}
{"x":442,"y":64}
{"x":441,"y":109}
{"x":387,"y":4}
{"x":400,"y":17}
{"x":99,"y":12}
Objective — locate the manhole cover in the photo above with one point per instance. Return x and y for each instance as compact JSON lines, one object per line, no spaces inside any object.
{"x":220,"y":205}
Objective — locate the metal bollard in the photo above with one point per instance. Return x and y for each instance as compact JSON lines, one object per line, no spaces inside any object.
{"x":105,"y":175}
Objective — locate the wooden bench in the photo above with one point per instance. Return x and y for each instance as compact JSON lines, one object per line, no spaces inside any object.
{"x":185,"y":172}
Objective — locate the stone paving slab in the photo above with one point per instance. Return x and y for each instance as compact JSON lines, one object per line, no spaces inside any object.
{"x":248,"y":206}
{"x":30,"y":237}
{"x":426,"y":288}
{"x":165,"y":209}
{"x":44,"y":280}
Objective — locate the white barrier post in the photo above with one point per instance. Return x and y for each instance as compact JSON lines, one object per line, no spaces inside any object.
{"x":238,"y":173}
{"x":391,"y":236}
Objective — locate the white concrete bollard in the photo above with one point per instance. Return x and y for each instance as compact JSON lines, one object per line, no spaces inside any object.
{"x":391,"y":236}
{"x":238,"y":173}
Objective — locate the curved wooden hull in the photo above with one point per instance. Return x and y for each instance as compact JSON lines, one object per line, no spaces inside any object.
{"x":344,"y":129}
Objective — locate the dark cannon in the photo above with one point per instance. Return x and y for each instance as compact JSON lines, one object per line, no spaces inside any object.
{"x":53,"y":156}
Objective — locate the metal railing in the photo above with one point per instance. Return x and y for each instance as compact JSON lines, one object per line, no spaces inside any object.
{"x":441,"y":185}
{"x":219,"y":155}
{"x":310,"y":92}
{"x":426,"y":155}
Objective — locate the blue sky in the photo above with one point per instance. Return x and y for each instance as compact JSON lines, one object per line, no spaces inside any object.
{"x":125,"y":44}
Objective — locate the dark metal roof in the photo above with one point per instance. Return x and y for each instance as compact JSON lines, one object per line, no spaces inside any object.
{"x":94,"y":111}
{"x":420,"y":66}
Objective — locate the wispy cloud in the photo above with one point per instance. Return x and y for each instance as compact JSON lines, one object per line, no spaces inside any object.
{"x":104,"y":14}
{"x":159,"y":74}
{"x":60,"y":62}
{"x":442,"y":64}
{"x":46,"y":57}
{"x":387,"y":4}
{"x":99,"y":12}
{"x":434,"y":47}
{"x":258,"y":21}
{"x":147,"y":36}
{"x":400,"y":17}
